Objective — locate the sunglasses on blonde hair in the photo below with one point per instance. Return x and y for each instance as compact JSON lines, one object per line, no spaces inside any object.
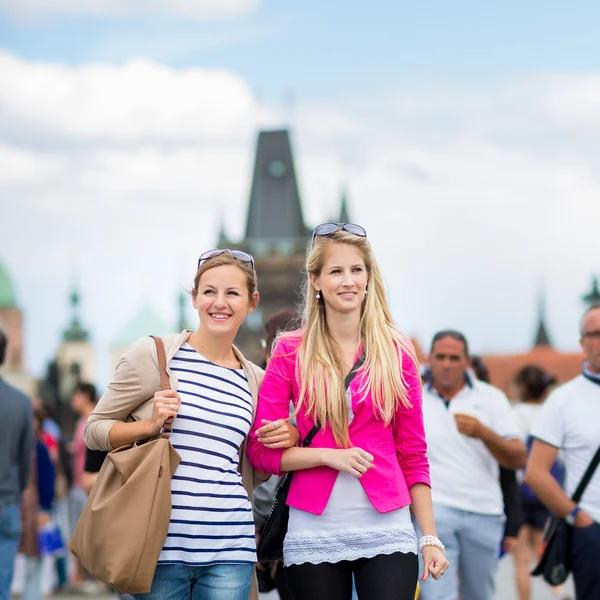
{"x":327,"y":229}
{"x":237,"y":254}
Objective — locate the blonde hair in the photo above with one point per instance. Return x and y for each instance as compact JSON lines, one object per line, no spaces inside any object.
{"x":227,"y":259}
{"x":320,"y":367}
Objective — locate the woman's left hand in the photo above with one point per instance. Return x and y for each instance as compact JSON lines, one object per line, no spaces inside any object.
{"x":434,"y":562}
{"x":278,"y":434}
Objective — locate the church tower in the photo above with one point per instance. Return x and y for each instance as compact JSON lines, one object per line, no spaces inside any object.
{"x":75,"y":353}
{"x":275,"y":235}
{"x":592,"y":298}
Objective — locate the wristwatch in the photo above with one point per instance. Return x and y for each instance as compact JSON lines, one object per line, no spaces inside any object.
{"x":570,"y":518}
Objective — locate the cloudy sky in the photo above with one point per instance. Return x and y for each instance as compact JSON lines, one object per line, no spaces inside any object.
{"x":466,"y":132}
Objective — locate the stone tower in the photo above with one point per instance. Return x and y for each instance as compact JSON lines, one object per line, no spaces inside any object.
{"x":275,"y":235}
{"x":75,"y":353}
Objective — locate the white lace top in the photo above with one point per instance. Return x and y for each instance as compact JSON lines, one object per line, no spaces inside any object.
{"x":349,"y":528}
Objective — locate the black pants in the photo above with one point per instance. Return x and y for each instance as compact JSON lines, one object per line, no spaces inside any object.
{"x":585,"y":548}
{"x":384,"y":577}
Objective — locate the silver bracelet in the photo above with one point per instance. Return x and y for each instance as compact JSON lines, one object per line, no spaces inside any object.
{"x":431,"y":540}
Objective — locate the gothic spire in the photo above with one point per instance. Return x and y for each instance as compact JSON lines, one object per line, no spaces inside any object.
{"x":275,"y":210}
{"x":344,"y":214}
{"x":75,"y":332}
{"x":592,"y":298}
{"x":542,"y":339}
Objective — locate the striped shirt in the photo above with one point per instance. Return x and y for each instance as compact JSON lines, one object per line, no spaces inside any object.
{"x":211,"y":518}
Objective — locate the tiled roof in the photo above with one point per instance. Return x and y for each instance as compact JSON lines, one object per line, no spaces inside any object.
{"x":562,"y":365}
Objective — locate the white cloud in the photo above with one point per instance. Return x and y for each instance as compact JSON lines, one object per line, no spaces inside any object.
{"x":471,"y":194}
{"x":138,"y":101}
{"x":194,"y":9}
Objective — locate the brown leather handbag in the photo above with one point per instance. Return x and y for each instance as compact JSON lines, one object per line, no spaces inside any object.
{"x":124,"y":524}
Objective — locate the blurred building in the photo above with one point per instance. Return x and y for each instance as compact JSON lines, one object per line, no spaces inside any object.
{"x":561,"y":365}
{"x":146,"y":321}
{"x":11,"y":322}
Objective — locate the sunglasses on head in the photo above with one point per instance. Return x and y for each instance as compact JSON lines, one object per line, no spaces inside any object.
{"x":238,"y":254}
{"x":327,"y":229}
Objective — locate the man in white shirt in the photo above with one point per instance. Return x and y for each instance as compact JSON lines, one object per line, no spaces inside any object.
{"x":570,"y":421}
{"x":471,"y":430}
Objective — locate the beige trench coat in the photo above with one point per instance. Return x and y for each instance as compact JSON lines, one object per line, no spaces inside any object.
{"x":130,"y":396}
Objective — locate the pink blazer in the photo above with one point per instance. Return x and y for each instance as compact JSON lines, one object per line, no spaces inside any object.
{"x":399,"y":449}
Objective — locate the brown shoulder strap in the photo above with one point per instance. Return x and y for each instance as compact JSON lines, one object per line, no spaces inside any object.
{"x":165,"y":384}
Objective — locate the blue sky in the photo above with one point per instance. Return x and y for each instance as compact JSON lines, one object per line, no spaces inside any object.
{"x":317,"y":48}
{"x":466,"y":133}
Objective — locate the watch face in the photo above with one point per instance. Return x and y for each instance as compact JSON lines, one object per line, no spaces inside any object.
{"x":277,"y":169}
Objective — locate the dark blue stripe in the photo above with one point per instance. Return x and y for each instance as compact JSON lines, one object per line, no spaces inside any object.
{"x":203,"y":451}
{"x":207,"y":495}
{"x":214,"y":412}
{"x":241,"y":375}
{"x":218,"y":391}
{"x":220,"y":523}
{"x":191,"y":536}
{"x":212,"y":509}
{"x":206,"y":436}
{"x":195,"y":480}
{"x":211,"y":376}
{"x":186,"y":463}
{"x":213,"y":399}
{"x":181,"y":548}
{"x":213,"y":423}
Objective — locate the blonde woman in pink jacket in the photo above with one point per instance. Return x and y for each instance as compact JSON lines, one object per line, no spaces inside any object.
{"x":351,"y":494}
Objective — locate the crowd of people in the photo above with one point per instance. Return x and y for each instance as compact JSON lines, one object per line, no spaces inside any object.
{"x":417,"y":478}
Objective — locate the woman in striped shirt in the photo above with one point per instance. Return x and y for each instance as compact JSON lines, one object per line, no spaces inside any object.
{"x":209,"y":552}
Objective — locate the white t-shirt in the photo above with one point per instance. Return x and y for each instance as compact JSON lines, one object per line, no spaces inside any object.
{"x":464,"y":473}
{"x":526,"y":414}
{"x":570,"y":420}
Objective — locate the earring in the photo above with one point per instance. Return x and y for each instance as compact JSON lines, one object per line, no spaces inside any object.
{"x":318,"y":295}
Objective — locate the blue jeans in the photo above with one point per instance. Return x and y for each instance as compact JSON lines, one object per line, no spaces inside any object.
{"x":212,"y":582}
{"x":472,"y":543}
{"x":585,"y":549}
{"x":10,"y":535}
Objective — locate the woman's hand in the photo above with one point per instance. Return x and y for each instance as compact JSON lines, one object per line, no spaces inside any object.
{"x":278,"y":434}
{"x":351,"y":460}
{"x":434,"y":562}
{"x":166,"y":406}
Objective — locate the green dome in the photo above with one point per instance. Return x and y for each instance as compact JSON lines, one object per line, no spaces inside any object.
{"x":7,"y":292}
{"x":145,"y":322}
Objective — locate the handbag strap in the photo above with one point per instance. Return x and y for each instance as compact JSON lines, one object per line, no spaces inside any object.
{"x":165,"y":384}
{"x":589,"y":472}
{"x":357,"y":365}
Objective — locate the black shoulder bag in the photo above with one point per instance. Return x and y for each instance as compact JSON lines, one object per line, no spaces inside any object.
{"x":270,"y":546}
{"x":555,"y":563}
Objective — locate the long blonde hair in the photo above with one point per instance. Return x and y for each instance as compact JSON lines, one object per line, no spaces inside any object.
{"x":320,"y":367}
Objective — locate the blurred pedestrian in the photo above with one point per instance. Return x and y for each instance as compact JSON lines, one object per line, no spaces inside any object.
{"x":16,"y":445}
{"x":511,"y":495}
{"x":471,"y":430}
{"x":83,"y":402}
{"x":532,"y":384}
{"x":40,"y":540}
{"x":569,"y":422}
{"x":352,"y":488}
{"x":270,"y":575}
